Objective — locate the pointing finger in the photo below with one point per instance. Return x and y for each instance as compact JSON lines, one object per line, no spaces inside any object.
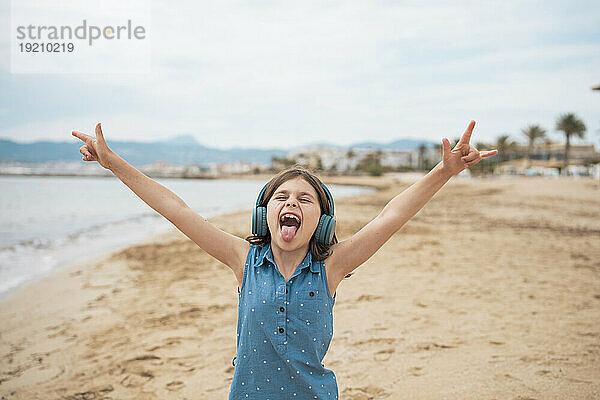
{"x":467,"y":135}
{"x":81,"y":136}
{"x":99,"y":134}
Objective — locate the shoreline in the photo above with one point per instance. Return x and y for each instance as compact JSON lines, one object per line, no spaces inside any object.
{"x":152,"y":239}
{"x":418,"y":320}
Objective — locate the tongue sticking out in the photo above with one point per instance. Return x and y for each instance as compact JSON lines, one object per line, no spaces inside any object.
{"x":288,"y":232}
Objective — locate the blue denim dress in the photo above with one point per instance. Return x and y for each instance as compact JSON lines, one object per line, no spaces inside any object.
{"x":283,"y":331}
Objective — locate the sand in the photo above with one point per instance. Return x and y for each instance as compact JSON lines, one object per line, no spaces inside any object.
{"x":492,"y":291}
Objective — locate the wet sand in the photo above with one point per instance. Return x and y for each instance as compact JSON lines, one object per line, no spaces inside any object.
{"x":492,"y":291}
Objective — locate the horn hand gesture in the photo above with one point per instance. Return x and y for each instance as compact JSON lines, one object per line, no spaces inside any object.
{"x":463,"y":155}
{"x":95,"y":148}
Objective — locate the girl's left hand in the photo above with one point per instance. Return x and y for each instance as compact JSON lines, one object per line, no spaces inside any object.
{"x":463,"y":155}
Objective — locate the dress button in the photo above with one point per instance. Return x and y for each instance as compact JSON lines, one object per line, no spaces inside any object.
{"x":281,"y":330}
{"x":311,"y":294}
{"x":286,"y":291}
{"x":281,"y":309}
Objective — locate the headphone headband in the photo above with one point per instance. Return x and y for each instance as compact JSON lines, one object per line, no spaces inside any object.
{"x":325,"y":229}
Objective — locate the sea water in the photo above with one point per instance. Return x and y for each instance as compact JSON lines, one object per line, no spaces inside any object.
{"x":49,"y":222}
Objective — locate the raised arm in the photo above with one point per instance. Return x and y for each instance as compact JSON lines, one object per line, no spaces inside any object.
{"x":225,"y":247}
{"x":348,"y":254}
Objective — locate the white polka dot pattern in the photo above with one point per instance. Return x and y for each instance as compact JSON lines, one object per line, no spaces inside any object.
{"x":284,"y":331}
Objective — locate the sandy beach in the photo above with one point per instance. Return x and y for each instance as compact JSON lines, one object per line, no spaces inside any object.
{"x":492,"y":291}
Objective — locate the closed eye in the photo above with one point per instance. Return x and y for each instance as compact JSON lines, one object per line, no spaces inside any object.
{"x":282,"y":198}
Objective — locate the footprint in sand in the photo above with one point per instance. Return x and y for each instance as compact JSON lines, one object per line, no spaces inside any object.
{"x":420,"y":303}
{"x":384,"y":355}
{"x":515,"y":383}
{"x":388,"y":341}
{"x":137,"y":370}
{"x":416,"y":371}
{"x":136,"y":379}
{"x":95,"y":393}
{"x":431,"y":346}
{"x":543,"y":372}
{"x":175,"y":385}
{"x":61,"y":332}
{"x":368,"y":297}
{"x":364,"y":393}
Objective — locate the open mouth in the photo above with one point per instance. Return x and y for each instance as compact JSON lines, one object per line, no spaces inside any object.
{"x":289,"y":225}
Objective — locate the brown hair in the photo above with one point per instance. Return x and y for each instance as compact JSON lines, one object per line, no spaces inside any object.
{"x":318,"y":251}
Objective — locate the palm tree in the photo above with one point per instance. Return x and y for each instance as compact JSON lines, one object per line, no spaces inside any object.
{"x":504,"y":145}
{"x":569,"y":124}
{"x":319,"y":166}
{"x":533,"y":133}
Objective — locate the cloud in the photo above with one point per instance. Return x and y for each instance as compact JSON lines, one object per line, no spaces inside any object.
{"x":261,"y":73}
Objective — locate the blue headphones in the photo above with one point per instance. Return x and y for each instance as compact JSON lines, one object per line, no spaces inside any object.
{"x":325,"y":229}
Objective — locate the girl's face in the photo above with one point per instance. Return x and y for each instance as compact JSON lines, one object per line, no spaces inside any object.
{"x":298,"y":197}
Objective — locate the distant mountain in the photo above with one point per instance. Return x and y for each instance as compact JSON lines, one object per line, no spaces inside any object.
{"x":180,"y":150}
{"x":183,"y":140}
{"x":400,"y":144}
{"x":322,"y":144}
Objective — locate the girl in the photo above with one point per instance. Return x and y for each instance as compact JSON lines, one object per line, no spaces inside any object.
{"x":289,"y":269}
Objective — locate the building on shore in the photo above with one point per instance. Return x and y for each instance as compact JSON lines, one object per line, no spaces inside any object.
{"x":347,"y":160}
{"x":162,"y":169}
{"x":548,"y":160}
{"x":519,"y":159}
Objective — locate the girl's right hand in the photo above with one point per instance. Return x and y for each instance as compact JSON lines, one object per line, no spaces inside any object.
{"x":95,"y":149}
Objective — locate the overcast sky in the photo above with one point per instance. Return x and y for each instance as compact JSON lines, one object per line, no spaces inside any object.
{"x":274,"y":73}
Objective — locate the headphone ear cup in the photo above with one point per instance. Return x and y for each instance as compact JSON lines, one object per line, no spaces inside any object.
{"x":325,"y":229}
{"x":254,"y":221}
{"x":259,"y":221}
